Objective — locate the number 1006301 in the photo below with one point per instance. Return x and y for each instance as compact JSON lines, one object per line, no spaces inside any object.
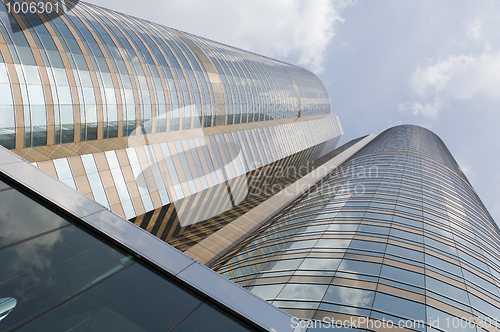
{"x":33,"y":7}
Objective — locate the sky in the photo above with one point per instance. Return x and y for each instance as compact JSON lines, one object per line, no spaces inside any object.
{"x":430,"y":63}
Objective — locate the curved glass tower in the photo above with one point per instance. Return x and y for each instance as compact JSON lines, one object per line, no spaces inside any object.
{"x":153,"y":123}
{"x":94,"y":74}
{"x":394,"y":237}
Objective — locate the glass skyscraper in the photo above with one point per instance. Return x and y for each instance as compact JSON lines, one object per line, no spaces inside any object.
{"x":162,"y":127}
{"x":69,"y":264}
{"x":395,"y":234}
{"x":142,"y":167}
{"x":176,"y":133}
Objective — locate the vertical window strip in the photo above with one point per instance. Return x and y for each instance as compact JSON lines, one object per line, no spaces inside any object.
{"x":63,"y":171}
{"x":95,"y":179}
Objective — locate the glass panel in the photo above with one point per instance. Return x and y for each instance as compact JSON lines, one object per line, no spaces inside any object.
{"x":5,"y":95}
{"x":446,"y":289}
{"x":402,"y":275}
{"x":303,"y":292}
{"x":367,"y":245}
{"x":267,"y":292}
{"x":29,"y":221}
{"x":319,"y":264}
{"x":58,"y":277}
{"x":398,"y":306}
{"x":207,"y":318}
{"x":444,"y":265}
{"x":349,"y":265}
{"x":349,"y":296}
{"x":105,"y":306}
{"x":332,"y":243}
{"x":474,"y":278}
{"x":404,"y":252}
{"x":288,"y":264}
{"x":442,"y":320}
{"x":484,"y":307}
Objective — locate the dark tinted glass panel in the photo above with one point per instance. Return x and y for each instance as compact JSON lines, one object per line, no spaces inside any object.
{"x":21,"y":219}
{"x":55,"y":276}
{"x":134,"y":299}
{"x":208,"y":319}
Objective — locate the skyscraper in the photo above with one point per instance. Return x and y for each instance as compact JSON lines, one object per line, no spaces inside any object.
{"x":396,"y":236}
{"x":230,"y":157}
{"x":176,"y":133}
{"x":69,"y":264}
{"x":160,"y":126}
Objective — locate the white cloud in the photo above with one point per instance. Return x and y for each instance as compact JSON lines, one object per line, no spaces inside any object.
{"x":474,"y":29}
{"x":463,"y":77}
{"x":281,"y":28}
{"x":291,"y":30}
{"x":430,"y":109}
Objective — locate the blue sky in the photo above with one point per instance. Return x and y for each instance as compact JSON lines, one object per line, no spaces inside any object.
{"x":430,"y":63}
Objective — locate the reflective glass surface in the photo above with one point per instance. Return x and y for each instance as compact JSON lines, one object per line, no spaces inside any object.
{"x":98,"y":74}
{"x":63,"y":278}
{"x":397,"y":233}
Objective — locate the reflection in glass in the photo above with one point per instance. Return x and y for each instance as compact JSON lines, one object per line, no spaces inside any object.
{"x":399,"y":307}
{"x":303,"y":292}
{"x":7,"y":304}
{"x":349,"y":296}
{"x":57,"y":277}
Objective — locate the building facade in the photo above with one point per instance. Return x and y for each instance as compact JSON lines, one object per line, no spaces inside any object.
{"x":164,"y":128}
{"x":230,"y":157}
{"x":69,"y":264}
{"x":180,"y":135}
{"x":395,"y":234}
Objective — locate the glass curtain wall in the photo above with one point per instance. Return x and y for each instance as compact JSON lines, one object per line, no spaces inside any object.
{"x":395,"y":234}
